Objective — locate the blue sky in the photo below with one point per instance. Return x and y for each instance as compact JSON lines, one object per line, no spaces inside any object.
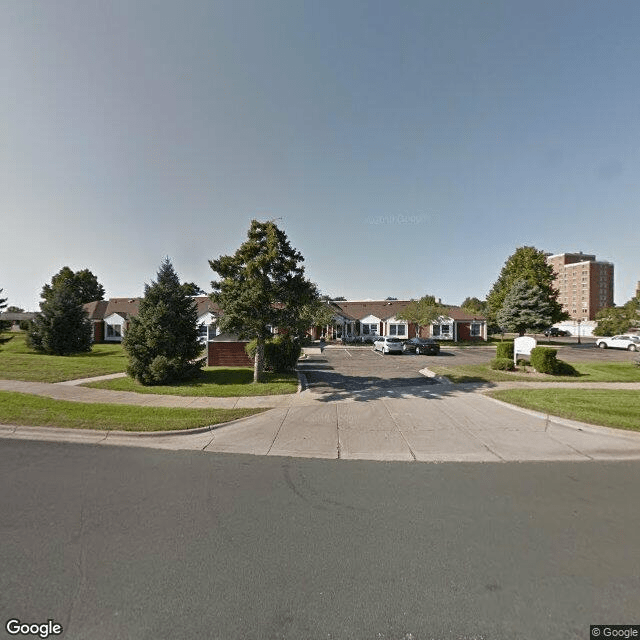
{"x":409,"y":147}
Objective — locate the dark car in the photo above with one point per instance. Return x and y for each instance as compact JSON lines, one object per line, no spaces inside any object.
{"x":555,"y":332}
{"x":422,"y":346}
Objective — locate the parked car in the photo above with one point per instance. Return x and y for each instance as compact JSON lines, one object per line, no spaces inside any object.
{"x":426,"y":346}
{"x":629,"y":342}
{"x":555,"y":332}
{"x":388,"y":344}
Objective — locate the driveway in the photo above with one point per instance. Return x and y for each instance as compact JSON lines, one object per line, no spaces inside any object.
{"x":362,"y":405}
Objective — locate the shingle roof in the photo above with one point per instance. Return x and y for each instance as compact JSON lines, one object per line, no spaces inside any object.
{"x":127,"y":307}
{"x":385,"y":309}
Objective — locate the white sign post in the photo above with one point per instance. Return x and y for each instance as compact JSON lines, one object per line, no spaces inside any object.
{"x":522,"y":347}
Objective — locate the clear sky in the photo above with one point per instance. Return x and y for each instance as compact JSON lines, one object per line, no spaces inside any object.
{"x":409,"y":147}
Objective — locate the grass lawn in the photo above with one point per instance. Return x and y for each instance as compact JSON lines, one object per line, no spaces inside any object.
{"x":18,"y":362}
{"x":610,"y":408}
{"x":588,"y":372}
{"x":26,"y":409}
{"x":218,"y":382}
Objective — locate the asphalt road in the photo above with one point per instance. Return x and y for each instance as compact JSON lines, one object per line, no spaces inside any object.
{"x":119,"y":543}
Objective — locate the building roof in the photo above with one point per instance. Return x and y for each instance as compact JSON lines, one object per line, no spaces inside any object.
{"x":385,"y":309}
{"x":127,"y":307}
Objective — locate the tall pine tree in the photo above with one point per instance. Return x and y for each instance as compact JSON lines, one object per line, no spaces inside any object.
{"x":162,"y":340}
{"x":262,"y":286}
{"x":62,"y":327}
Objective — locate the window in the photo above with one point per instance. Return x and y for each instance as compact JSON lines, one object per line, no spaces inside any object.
{"x":114,"y":331}
{"x":397,"y":330}
{"x":475,"y":330}
{"x":441,"y":330}
{"x":369,"y":329}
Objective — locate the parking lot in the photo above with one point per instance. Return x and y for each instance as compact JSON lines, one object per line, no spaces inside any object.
{"x":360,"y":369}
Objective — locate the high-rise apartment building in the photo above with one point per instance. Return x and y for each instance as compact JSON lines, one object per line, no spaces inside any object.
{"x":585,"y":284}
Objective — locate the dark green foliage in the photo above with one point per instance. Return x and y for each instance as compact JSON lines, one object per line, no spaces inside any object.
{"x":262,"y":286}
{"x":280,"y":353}
{"x":544,"y":359}
{"x":62,"y":327}
{"x":162,"y":341}
{"x":525,"y":308}
{"x":84,"y":283}
{"x":530,"y":264}
{"x":4,"y":324}
{"x":502,"y":364}
{"x":192,"y":289}
{"x":504,"y":350}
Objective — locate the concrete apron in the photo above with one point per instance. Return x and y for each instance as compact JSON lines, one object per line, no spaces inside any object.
{"x":458,"y":426}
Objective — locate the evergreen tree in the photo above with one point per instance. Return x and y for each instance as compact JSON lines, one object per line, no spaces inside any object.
{"x":62,"y":327}
{"x":530,"y":264}
{"x":4,"y":324}
{"x":422,"y":312}
{"x":162,"y":340}
{"x":262,"y":286}
{"x":85,"y":284}
{"x":525,"y":307}
{"x":192,"y":289}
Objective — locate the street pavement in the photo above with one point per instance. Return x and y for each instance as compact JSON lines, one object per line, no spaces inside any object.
{"x":122,"y":543}
{"x":388,"y":411}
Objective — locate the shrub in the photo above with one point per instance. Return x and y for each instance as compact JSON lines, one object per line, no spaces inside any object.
{"x":502,"y":364}
{"x":543,"y":359}
{"x":504,"y":350}
{"x":280,"y":353}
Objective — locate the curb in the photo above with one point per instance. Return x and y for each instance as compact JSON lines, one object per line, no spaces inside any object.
{"x":565,"y":422}
{"x":132,"y":434}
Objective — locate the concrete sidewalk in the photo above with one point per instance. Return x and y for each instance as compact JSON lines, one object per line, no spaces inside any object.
{"x":438,"y":423}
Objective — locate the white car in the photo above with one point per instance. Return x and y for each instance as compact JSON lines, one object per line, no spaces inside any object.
{"x":388,"y":344}
{"x":629,"y":342}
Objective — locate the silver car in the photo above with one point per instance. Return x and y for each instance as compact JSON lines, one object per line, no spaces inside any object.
{"x":629,"y":342}
{"x":388,"y":344}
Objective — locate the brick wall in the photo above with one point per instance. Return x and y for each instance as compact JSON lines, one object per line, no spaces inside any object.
{"x":228,"y":354}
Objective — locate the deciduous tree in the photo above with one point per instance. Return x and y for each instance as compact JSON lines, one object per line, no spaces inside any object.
{"x":613,"y":320}
{"x":261,"y":286}
{"x":422,"y":312}
{"x":474,"y":305}
{"x":84,"y":283}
